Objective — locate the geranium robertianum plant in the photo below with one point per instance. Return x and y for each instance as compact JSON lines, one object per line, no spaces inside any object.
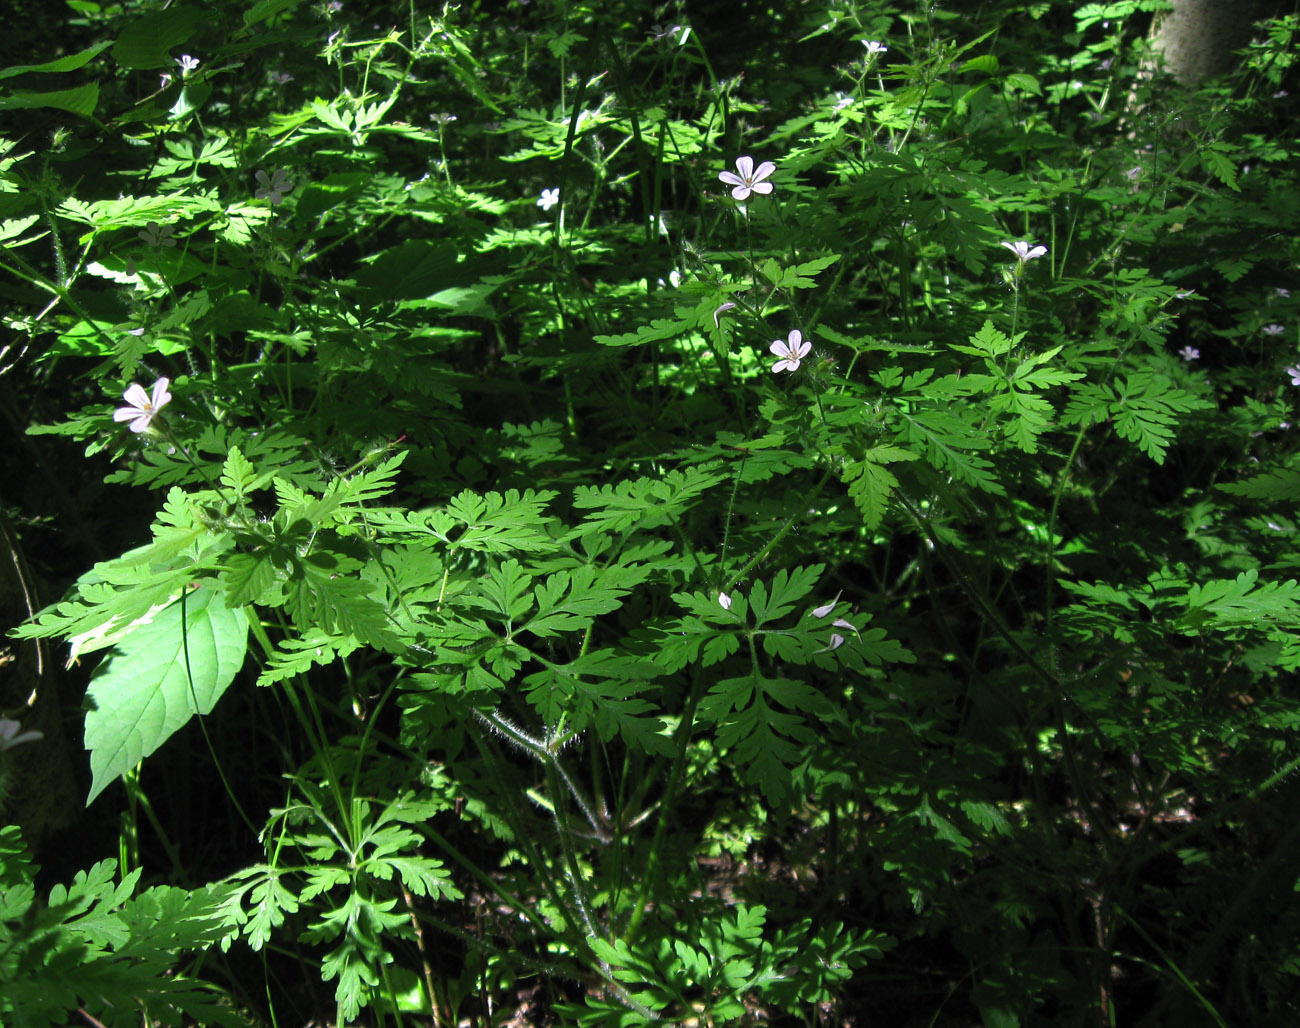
{"x":491,"y":552}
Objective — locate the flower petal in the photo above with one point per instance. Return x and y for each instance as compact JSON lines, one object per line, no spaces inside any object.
{"x":731,"y":178}
{"x":745,"y":166}
{"x":741,"y":192}
{"x":764,"y":170}
{"x":161,"y":397}
{"x":826,"y":608}
{"x":136,"y":396}
{"x":724,"y":601}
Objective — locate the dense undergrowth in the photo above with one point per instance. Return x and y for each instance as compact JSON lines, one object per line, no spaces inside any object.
{"x":664,"y":516}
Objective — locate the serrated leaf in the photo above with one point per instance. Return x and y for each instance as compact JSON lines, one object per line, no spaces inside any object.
{"x":80,"y":100}
{"x":147,"y":41}
{"x":157,"y":678}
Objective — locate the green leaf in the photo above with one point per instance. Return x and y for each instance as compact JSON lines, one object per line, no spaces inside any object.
{"x":81,"y":100}
{"x":268,"y":9}
{"x":870,"y":483}
{"x":147,"y":42}
{"x":157,"y":678}
{"x":69,"y":63}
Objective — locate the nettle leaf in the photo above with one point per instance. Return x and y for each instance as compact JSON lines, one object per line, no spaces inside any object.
{"x":158,"y":677}
{"x":115,"y":595}
{"x":147,"y":41}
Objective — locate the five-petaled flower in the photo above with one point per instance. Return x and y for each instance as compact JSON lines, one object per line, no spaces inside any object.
{"x":10,"y":736}
{"x":874,"y":47}
{"x":791,"y":352}
{"x":1273,"y":330}
{"x":1294,"y":372}
{"x":1025,"y":251}
{"x":274,"y":186}
{"x":747,"y":179}
{"x":143,"y":407}
{"x":1189,"y":353}
{"x":187,"y":63}
{"x":549,"y":198}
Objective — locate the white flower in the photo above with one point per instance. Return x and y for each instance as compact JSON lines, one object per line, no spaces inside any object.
{"x":550,"y":197}
{"x":724,"y":601}
{"x":1189,"y":353}
{"x":11,"y":737}
{"x":1025,"y":251}
{"x":187,"y":63}
{"x":281,"y":78}
{"x":1294,"y":372}
{"x":274,"y":186}
{"x":791,"y":353}
{"x":874,"y":47}
{"x":722,"y":309}
{"x":1183,"y":294}
{"x":143,"y":407}
{"x":1284,"y":293}
{"x":826,"y":608}
{"x":749,"y":180}
{"x":1273,"y":330}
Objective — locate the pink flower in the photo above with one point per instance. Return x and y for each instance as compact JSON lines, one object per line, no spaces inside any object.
{"x":142,"y":407}
{"x":1025,"y":251}
{"x":791,"y":353}
{"x":748,"y":180}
